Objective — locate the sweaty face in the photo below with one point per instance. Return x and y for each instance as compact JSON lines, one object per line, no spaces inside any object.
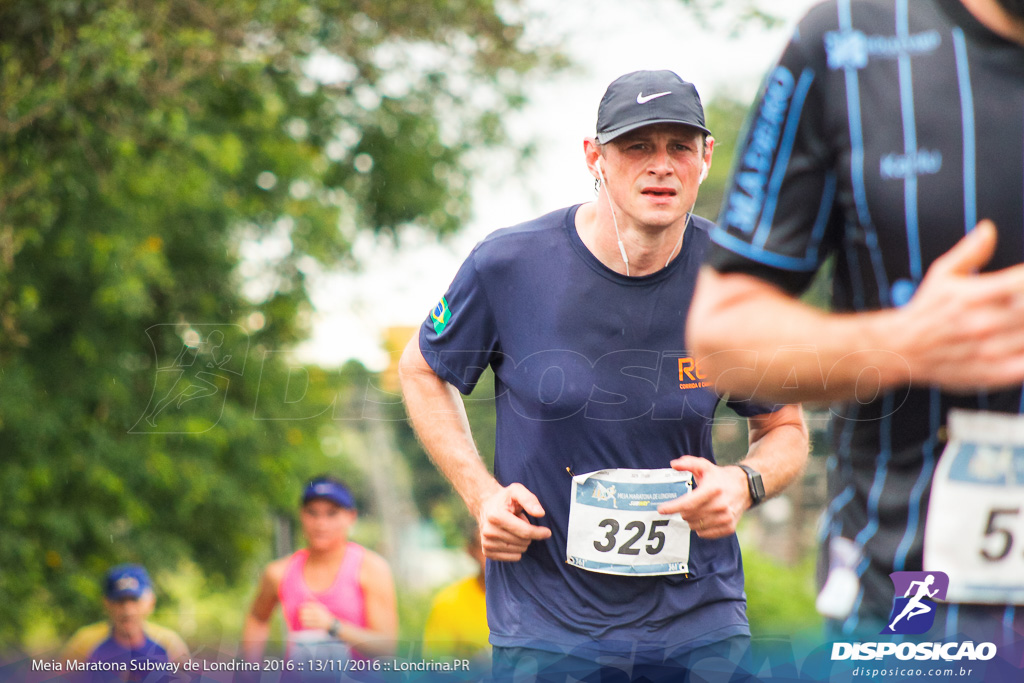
{"x":653,"y":173}
{"x":325,"y":523}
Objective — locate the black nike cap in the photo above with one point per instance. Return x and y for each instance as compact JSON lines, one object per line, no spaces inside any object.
{"x":642,"y":98}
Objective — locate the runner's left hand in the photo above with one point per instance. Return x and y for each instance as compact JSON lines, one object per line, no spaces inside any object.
{"x":718,"y":500}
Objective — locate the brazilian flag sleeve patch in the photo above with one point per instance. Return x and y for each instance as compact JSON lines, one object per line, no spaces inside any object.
{"x":441,"y":315}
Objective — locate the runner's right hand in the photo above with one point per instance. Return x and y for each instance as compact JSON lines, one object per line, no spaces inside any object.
{"x":505,"y":530}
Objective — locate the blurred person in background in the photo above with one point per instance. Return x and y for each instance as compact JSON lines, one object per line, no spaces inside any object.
{"x":337,"y":597}
{"x":126,"y":637}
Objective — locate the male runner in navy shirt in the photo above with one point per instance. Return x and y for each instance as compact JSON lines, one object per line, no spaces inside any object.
{"x":581,"y":313}
{"x":886,"y":132}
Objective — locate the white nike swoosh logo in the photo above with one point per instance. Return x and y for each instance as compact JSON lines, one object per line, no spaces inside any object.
{"x":641,"y":99}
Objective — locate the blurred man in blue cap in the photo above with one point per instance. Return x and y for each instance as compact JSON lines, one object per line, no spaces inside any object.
{"x":126,"y":638}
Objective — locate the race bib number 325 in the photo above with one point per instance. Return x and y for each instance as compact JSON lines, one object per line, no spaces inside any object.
{"x":615,"y":528}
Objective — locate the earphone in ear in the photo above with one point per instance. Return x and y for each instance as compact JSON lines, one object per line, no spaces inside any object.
{"x":600,"y":170}
{"x":703,"y":172}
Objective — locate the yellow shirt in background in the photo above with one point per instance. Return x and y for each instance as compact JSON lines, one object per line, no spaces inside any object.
{"x":457,"y":624}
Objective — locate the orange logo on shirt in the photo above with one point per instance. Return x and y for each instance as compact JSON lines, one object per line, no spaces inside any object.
{"x":690,"y":376}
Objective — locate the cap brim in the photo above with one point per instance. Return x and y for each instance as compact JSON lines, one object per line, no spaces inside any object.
{"x":329,"y":499}
{"x":126,"y":595}
{"x":609,"y":135}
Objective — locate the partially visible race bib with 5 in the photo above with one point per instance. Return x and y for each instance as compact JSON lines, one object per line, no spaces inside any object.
{"x":975,"y":527}
{"x":615,"y":528}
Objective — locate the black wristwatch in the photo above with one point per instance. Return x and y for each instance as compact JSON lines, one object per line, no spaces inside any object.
{"x":754,"y":484}
{"x":335,"y":630}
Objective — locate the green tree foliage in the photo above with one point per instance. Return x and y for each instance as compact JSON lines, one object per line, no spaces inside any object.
{"x":780,"y":599}
{"x":171,"y":172}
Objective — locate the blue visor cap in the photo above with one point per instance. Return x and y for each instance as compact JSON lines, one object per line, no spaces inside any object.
{"x":127,"y":581}
{"x":326,"y":489}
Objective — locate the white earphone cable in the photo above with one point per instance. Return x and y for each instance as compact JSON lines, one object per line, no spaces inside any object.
{"x":615,"y":221}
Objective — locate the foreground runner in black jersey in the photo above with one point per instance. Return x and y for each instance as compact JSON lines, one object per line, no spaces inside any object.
{"x":580,"y":313}
{"x":887,"y":131}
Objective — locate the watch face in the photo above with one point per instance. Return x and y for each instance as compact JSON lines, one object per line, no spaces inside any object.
{"x":754,"y":484}
{"x":757,"y":486}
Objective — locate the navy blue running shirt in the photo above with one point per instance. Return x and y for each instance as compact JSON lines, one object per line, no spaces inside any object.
{"x":887,"y":130}
{"x":590,"y":374}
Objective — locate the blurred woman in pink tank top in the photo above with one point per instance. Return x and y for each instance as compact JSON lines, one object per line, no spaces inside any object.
{"x":337,"y":597}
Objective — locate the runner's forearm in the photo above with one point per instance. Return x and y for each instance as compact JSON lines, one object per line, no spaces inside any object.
{"x":757,"y":342}
{"x":779,"y":446}
{"x":439,"y":419}
{"x":367,"y":641}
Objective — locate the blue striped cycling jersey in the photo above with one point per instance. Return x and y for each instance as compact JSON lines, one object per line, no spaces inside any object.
{"x":590,"y":373}
{"x":887,"y":129}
